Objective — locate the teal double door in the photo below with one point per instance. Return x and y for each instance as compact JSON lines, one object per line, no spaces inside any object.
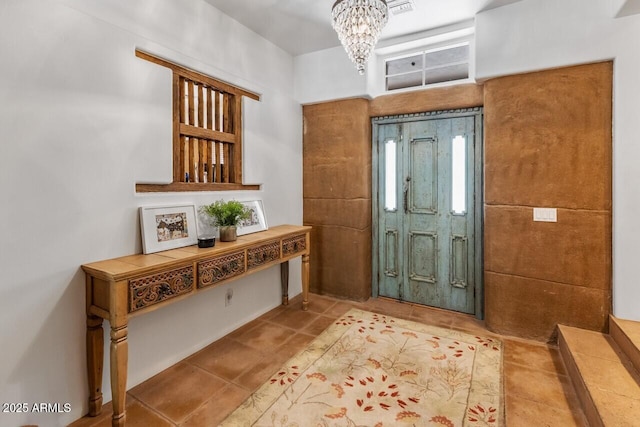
{"x":426,"y":209}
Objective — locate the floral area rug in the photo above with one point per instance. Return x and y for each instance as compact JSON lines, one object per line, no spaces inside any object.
{"x":373,"y":370}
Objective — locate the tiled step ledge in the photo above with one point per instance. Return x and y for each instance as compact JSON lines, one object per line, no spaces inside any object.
{"x":626,"y":334}
{"x":604,"y":380}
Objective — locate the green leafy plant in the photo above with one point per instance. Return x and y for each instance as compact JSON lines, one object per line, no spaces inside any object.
{"x":226,"y":213}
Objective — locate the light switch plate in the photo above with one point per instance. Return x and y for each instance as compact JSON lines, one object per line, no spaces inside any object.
{"x":545,"y":214}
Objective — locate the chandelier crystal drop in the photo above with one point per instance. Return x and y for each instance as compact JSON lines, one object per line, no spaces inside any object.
{"x":358,"y":24}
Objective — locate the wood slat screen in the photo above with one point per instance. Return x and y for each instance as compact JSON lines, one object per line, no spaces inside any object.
{"x":207,"y":132}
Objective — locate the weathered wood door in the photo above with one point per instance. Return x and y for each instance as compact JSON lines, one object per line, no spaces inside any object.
{"x":427,"y":174}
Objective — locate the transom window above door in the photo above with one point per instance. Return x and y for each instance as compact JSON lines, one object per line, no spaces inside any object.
{"x":438,"y":65}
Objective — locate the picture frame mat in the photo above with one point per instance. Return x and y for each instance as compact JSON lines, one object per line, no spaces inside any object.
{"x":258,"y":221}
{"x":161,"y":227}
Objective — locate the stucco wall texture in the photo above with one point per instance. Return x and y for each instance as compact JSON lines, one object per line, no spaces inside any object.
{"x":337,"y":197}
{"x":548,"y":144}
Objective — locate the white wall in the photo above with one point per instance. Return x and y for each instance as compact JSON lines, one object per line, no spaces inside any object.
{"x":538,"y":34}
{"x":329,"y":74}
{"x":82,"y":120}
{"x":325,"y":75}
{"x":532,"y":35}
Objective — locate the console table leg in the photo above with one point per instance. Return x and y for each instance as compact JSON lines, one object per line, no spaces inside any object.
{"x":305,"y":282}
{"x":95,"y":360}
{"x":284,"y":279}
{"x":119,"y":361}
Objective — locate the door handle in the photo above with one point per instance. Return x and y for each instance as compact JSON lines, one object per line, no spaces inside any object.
{"x":405,"y":196}
{"x":406,"y":190}
{"x":405,"y":201}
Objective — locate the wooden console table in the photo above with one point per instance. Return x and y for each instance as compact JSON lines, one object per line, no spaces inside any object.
{"x":121,"y":288}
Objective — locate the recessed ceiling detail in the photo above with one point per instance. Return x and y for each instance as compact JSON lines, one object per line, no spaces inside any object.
{"x":304,"y":26}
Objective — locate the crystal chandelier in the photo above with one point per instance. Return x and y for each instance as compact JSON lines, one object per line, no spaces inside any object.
{"x":358,"y":24}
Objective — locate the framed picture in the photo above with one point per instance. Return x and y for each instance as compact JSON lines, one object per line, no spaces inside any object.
{"x":168,"y":227}
{"x":256,"y":222}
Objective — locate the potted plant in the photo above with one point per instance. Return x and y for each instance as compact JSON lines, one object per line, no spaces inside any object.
{"x":226,"y":216}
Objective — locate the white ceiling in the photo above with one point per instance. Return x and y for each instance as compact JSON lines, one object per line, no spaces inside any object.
{"x":303,"y":26}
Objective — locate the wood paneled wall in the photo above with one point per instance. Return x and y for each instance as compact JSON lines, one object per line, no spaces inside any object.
{"x":548,"y":144}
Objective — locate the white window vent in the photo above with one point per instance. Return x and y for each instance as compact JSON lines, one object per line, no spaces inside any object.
{"x":428,"y":67}
{"x":400,"y":6}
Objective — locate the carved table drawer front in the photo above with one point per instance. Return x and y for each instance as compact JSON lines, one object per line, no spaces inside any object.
{"x":220,"y":268}
{"x":263,"y":254}
{"x":147,"y":291}
{"x":293,"y":245}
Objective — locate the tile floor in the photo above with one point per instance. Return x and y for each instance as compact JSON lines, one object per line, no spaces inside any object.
{"x":204,"y":388}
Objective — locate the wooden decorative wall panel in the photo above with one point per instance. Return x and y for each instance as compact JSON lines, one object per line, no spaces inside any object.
{"x":147,"y":291}
{"x":220,"y":268}
{"x":207,"y":131}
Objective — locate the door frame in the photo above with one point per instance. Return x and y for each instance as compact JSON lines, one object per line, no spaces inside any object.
{"x":478,"y":191}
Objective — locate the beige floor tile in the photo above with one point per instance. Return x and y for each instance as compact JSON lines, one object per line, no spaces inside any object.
{"x":616,"y":410}
{"x":534,"y":355}
{"x":293,"y":305}
{"x":538,"y":393}
{"x":88,"y":421}
{"x":525,"y":413}
{"x":547,"y":388}
{"x":339,"y":309}
{"x":389,"y":307}
{"x":264,"y":335}
{"x":272,"y":313}
{"x":320,"y":304}
{"x":631,"y":329}
{"x":590,"y":342}
{"x":294,"y":318}
{"x":298,"y":298}
{"x":259,"y":373}
{"x":216,"y":409}
{"x":245,"y":328}
{"x":293,"y":346}
{"x":178,"y":391}
{"x":431,"y":316}
{"x":226,"y":358}
{"x":626,"y":334}
{"x":318,"y":325}
{"x":469,"y":324}
{"x":616,"y":378}
{"x":139,"y":415}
